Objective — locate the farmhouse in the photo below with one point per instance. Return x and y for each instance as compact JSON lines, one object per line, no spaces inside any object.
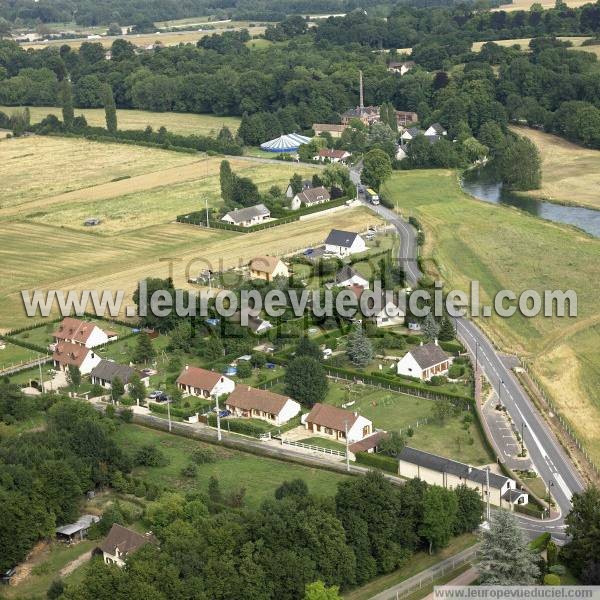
{"x":334,"y":130}
{"x":78,"y":530}
{"x":334,"y":156}
{"x":83,"y":333}
{"x":401,"y":67}
{"x":106,"y":371}
{"x":246,"y":217}
{"x":246,"y":401}
{"x":311,"y":197}
{"x":344,"y":243}
{"x":267,"y":268}
{"x":438,"y":470}
{"x":348,"y":276}
{"x":121,"y":543}
{"x":194,"y":381}
{"x":67,"y":354}
{"x":333,"y":422}
{"x":425,"y":361}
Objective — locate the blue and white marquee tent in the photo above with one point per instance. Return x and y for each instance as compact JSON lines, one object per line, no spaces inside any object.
{"x":285,"y":143}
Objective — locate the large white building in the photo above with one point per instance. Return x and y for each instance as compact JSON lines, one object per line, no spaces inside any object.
{"x":344,"y":243}
{"x":67,"y":354}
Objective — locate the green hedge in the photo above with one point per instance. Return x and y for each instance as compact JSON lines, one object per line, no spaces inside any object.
{"x":539,"y":543}
{"x":22,"y":343}
{"x":183,"y":413}
{"x":453,"y":346}
{"x":199,"y":218}
{"x":237,"y":426}
{"x":380,"y":461}
{"x":529,"y":509}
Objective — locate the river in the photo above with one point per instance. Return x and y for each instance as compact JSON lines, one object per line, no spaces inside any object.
{"x":482,"y":184}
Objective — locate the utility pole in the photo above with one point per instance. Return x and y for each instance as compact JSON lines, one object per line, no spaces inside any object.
{"x":347,"y":449}
{"x":476,"y":356}
{"x":362,"y":97}
{"x":169,"y":412}
{"x":206,"y":207}
{"x":41,"y":377}
{"x":218,"y":418}
{"x":523,"y":438}
{"x":500,"y":384}
{"x":487,"y":484}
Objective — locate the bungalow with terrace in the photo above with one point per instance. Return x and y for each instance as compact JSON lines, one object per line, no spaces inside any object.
{"x":333,"y":422}
{"x":106,"y":371}
{"x":120,"y":543}
{"x":335,"y":131}
{"x":344,"y":243}
{"x":334,"y":156}
{"x":267,"y":268}
{"x":247,"y":217}
{"x":425,"y":361}
{"x":67,"y":354}
{"x":310,"y":197}
{"x":82,"y":333}
{"x":246,"y":401}
{"x":194,"y":381}
{"x":437,"y":470}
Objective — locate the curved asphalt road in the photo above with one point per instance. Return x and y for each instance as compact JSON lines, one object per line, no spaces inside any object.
{"x":549,"y":458}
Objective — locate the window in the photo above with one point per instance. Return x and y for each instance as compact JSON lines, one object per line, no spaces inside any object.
{"x":328,"y":431}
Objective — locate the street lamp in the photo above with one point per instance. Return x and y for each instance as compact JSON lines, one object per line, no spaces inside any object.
{"x":523,"y":426}
{"x":500,"y":384}
{"x":550,"y":485}
{"x":476,"y":356}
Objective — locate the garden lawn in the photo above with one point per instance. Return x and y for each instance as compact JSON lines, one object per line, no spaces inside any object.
{"x":12,"y":354}
{"x":324,"y":443}
{"x":259,"y":476}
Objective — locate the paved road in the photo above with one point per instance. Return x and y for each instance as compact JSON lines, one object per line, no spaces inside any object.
{"x":549,"y":458}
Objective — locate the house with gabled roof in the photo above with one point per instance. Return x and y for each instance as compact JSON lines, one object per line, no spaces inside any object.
{"x":247,"y":217}
{"x":332,"y":129}
{"x":348,"y":276}
{"x":106,"y":371}
{"x":310,"y":197}
{"x":194,"y":381}
{"x":67,"y":354}
{"x":344,"y":243}
{"x":401,"y":67}
{"x":306,"y":185}
{"x":409,"y":134}
{"x":83,"y":333}
{"x":267,"y":268}
{"x":425,"y":361}
{"x":246,"y":401}
{"x":448,"y":473}
{"x":435,"y":130}
{"x":333,"y":422}
{"x":334,"y":156}
{"x":121,"y":543}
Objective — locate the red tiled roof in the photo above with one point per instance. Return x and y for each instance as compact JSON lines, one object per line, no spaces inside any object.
{"x":74,"y":329}
{"x":331,"y":416}
{"x":126,"y":540}
{"x":371,"y":441}
{"x":199,"y":378}
{"x":247,"y":398}
{"x":327,"y":153}
{"x":68,"y":353}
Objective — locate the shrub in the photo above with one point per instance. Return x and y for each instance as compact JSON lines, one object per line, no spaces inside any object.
{"x":190,"y":470}
{"x":244,"y":370}
{"x":150,"y":456}
{"x":127,"y":415}
{"x":551,"y":579}
{"x":438,"y":380}
{"x":559,"y":570}
{"x":456,"y":371}
{"x":202,"y":456}
{"x":385,"y":463}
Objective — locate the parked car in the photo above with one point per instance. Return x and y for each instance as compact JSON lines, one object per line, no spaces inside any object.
{"x":163,"y":398}
{"x":327,"y":352}
{"x":308,"y":251}
{"x":224,"y":413}
{"x":155,"y":394}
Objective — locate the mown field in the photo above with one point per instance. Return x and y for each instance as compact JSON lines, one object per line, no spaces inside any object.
{"x":504,"y":248}
{"x":184,"y":123}
{"x":527,"y":4}
{"x":570,"y":173}
{"x":524,"y":42}
{"x":145,"y":39}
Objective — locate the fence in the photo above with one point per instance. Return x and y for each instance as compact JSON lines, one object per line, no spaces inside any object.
{"x":428,"y":576}
{"x":311,"y":447}
{"x":564,"y":423}
{"x":24,"y":365}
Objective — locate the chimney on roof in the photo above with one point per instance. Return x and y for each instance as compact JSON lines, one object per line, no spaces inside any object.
{"x":470,"y":469}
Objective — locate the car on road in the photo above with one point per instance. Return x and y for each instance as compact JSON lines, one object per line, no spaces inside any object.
{"x":155,"y":394}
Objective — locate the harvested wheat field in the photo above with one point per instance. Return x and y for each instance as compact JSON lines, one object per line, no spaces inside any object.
{"x":183,"y":123}
{"x":38,"y":167}
{"x":524,"y":42}
{"x":527,"y":4}
{"x":570,"y":173}
{"x":67,"y":259}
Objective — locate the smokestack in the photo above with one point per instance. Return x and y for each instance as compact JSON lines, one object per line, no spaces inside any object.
{"x":362,"y":99}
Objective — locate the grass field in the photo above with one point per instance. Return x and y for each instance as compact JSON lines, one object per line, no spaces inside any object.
{"x":184,"y":123}
{"x":595,"y":49}
{"x":11,"y":354}
{"x":504,"y":248}
{"x":145,"y":39}
{"x":526,"y":4}
{"x":570,"y":173}
{"x":259,"y":476}
{"x":524,"y":42}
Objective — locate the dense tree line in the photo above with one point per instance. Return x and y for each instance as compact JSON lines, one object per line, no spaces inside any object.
{"x":208,"y":550}
{"x":44,"y":474}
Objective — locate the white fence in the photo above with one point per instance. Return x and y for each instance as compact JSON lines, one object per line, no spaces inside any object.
{"x":311,"y":447}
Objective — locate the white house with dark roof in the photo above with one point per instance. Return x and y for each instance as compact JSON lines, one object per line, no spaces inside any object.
{"x":409,"y":134}
{"x":121,"y":543}
{"x":310,"y":197}
{"x":247,"y":217}
{"x":106,"y":371}
{"x":306,"y":185}
{"x":333,"y":422}
{"x":194,"y":381}
{"x":246,"y":401}
{"x":435,"y":129}
{"x":83,"y":333}
{"x":348,"y":276}
{"x":438,"y":470}
{"x":425,"y":361}
{"x":344,"y":243}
